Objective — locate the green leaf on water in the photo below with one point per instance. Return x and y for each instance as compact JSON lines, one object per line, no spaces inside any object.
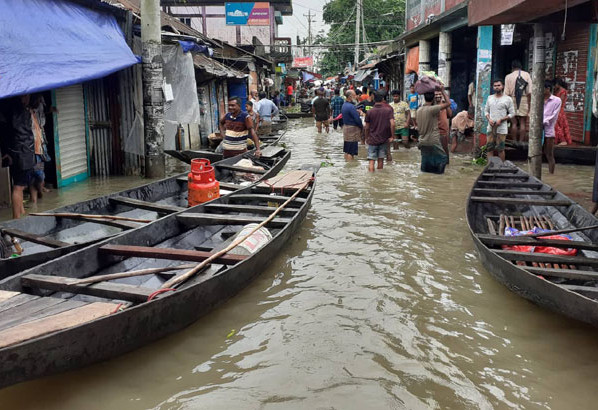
{"x":324,"y":164}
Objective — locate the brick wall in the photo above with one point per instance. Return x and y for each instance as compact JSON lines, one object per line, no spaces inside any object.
{"x":572,"y":65}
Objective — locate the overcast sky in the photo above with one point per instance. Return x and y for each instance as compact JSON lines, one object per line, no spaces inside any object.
{"x":297,"y":23}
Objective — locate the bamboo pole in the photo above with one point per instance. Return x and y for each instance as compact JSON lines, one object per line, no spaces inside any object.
{"x":176,"y":280}
{"x":74,"y":215}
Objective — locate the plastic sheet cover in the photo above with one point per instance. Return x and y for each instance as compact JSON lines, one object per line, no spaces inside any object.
{"x":179,"y":72}
{"x":52,"y":44}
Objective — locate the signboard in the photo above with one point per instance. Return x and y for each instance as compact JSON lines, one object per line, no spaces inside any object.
{"x":506,"y":34}
{"x":303,"y":62}
{"x":247,"y":14}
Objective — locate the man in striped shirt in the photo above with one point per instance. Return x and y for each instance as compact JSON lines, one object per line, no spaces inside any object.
{"x":236,"y":126}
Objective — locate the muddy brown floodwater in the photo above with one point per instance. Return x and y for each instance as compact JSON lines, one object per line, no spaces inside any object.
{"x":379,"y":302}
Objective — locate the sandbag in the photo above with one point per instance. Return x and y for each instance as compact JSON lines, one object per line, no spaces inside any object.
{"x":426,"y":85}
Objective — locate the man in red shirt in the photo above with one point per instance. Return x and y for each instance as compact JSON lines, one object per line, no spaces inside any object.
{"x":290,"y":94}
{"x":443,"y":122}
{"x":379,"y":131}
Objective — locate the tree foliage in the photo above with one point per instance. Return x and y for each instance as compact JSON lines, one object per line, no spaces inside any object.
{"x":383,"y":20}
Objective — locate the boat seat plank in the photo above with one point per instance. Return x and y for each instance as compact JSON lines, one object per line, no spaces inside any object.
{"x":502,"y":170}
{"x":106,"y":290}
{"x":168,"y":253}
{"x":291,"y":181}
{"x":502,"y":176}
{"x":241,"y":169}
{"x":521,"y":201}
{"x":30,"y":237}
{"x":54,"y":323}
{"x":546,"y":258}
{"x":30,"y":313}
{"x":195,"y":219}
{"x":513,"y":192}
{"x":150,"y":206}
{"x":7,"y":294}
{"x":26,"y":310}
{"x":264,"y":197}
{"x":564,"y":273}
{"x":15,"y":301}
{"x":522,"y":240}
{"x":256,"y":209}
{"x":510,"y":184}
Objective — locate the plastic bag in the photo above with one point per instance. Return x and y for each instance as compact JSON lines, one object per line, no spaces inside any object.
{"x":539,"y":249}
{"x":426,"y":85}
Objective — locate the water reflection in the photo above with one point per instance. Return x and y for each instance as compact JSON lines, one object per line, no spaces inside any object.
{"x":379,"y":302}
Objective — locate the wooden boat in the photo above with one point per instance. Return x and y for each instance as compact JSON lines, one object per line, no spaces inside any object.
{"x":51,"y":323}
{"x":563,"y":154}
{"x":45,"y":238}
{"x":505,"y":197}
{"x":187,"y":155}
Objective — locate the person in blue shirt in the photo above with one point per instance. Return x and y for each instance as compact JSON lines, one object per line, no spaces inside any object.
{"x":337,"y":105}
{"x":413,"y":100}
{"x":266,"y":109}
{"x":352,"y":126}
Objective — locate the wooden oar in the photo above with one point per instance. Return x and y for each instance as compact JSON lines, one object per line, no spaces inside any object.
{"x":558,"y":232}
{"x":179,"y":279}
{"x":129,"y":274}
{"x":73,"y":215}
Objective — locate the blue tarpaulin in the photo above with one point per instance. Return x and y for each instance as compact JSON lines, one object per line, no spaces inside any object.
{"x":198,"y":48}
{"x":47,"y":44}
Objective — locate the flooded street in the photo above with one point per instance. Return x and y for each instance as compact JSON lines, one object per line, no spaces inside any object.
{"x":380,"y":302}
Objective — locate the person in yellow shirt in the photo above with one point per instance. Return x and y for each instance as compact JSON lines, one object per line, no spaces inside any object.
{"x":402,"y":116}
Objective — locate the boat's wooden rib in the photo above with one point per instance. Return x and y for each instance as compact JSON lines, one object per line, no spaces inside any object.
{"x":149,"y":206}
{"x":564,"y":283}
{"x":105,"y":290}
{"x":502,"y":176}
{"x":522,"y":240}
{"x":191,"y":219}
{"x":240,"y":169}
{"x":264,"y":197}
{"x":496,"y":191}
{"x":37,"y":343}
{"x":521,"y":201}
{"x":167,"y":253}
{"x":46,"y":238}
{"x":254,"y":209}
{"x":575,"y":274}
{"x":49,"y":242}
{"x":510,"y":184}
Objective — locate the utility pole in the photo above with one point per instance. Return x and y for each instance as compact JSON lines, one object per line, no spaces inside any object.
{"x":357,"y":34}
{"x":153,"y":98}
{"x":309,"y":21}
{"x":536,"y":122}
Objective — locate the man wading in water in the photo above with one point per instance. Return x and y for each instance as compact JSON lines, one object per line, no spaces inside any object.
{"x":434,"y":158}
{"x":352,"y":128}
{"x":379,"y":131}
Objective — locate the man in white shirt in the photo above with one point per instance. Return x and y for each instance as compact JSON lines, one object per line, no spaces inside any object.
{"x":266,"y":109}
{"x":498,"y":110}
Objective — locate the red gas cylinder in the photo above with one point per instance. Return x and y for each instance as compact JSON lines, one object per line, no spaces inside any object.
{"x":202,"y":185}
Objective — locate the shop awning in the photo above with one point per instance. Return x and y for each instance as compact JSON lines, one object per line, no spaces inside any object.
{"x":362,"y":75}
{"x":52,"y":44}
{"x":217,"y":69}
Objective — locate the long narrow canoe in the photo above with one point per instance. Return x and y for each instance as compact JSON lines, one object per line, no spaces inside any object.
{"x":45,"y":238}
{"x":213,"y":156}
{"x":504,"y":197}
{"x":563,"y":154}
{"x":51,"y":323}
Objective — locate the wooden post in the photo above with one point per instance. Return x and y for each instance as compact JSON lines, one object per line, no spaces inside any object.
{"x":536,"y":114}
{"x":153,"y":98}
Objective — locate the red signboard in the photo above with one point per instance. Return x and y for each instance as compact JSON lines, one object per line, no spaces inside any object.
{"x":303,"y":62}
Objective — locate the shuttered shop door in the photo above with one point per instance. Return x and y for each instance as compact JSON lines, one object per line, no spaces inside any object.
{"x":72,"y":146}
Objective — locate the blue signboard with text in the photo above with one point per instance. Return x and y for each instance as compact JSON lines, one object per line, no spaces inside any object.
{"x":247,"y":14}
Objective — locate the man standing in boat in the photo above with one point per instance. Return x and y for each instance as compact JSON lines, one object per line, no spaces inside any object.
{"x":552,"y":107}
{"x":498,"y":110}
{"x":236,"y":126}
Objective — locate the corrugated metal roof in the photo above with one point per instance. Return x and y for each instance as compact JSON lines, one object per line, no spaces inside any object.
{"x":216,"y":68}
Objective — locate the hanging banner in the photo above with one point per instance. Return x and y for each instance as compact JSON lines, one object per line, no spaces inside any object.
{"x":506,"y":34}
{"x":247,"y":14}
{"x":303,"y":62}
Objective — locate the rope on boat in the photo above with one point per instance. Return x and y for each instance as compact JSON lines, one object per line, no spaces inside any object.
{"x":159,"y":291}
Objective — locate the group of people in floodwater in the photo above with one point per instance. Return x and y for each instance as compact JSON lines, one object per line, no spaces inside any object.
{"x":430,"y":120}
